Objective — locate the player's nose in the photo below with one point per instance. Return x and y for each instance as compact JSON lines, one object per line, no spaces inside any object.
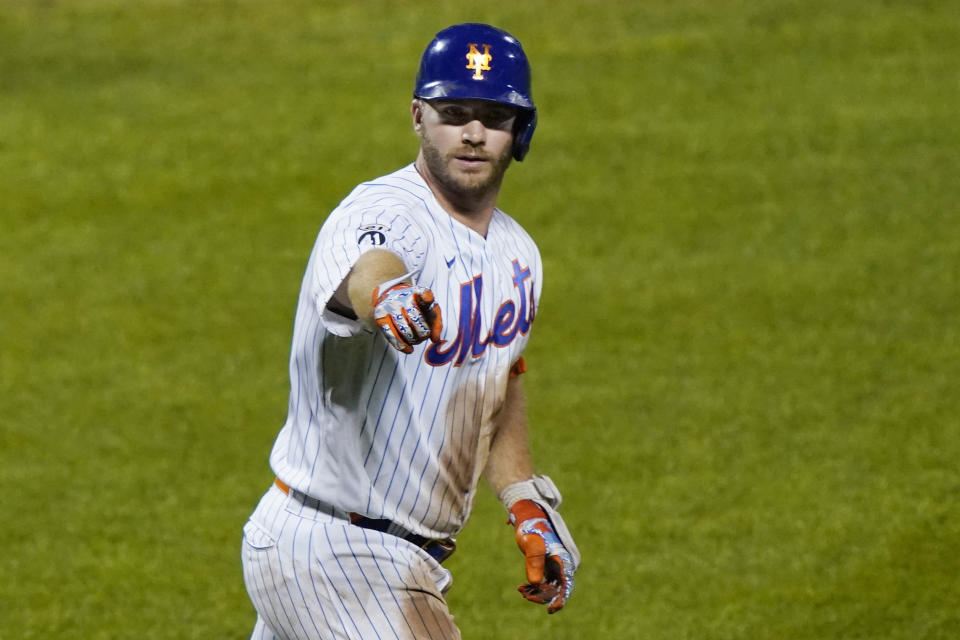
{"x":474,"y":133}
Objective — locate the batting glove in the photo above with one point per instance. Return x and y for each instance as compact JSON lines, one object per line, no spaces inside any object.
{"x":550,"y":566}
{"x":406,"y":314}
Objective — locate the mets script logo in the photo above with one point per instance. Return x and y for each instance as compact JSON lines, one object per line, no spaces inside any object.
{"x":510,"y":321}
{"x":479,"y":62}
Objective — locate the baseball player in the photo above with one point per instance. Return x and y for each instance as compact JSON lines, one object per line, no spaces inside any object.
{"x":407,"y":354}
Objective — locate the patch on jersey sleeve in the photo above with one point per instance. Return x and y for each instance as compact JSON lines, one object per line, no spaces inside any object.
{"x":372,"y":235}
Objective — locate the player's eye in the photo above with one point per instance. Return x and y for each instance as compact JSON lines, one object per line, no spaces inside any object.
{"x":453,"y":114}
{"x":496,"y":118}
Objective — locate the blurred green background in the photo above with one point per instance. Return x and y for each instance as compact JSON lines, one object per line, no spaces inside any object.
{"x":744,"y":373}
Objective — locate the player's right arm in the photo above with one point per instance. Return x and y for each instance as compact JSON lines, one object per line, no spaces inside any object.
{"x":355,"y":293}
{"x":378,"y":292}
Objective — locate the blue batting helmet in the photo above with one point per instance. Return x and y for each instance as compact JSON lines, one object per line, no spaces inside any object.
{"x":477,"y":61}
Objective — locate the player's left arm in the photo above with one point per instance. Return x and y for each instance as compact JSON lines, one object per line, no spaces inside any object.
{"x":509,"y":459}
{"x":532,"y":502}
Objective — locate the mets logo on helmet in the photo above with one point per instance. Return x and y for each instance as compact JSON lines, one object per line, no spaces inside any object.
{"x":479,"y":62}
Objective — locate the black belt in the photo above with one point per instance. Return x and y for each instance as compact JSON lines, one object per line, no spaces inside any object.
{"x":439,"y":550}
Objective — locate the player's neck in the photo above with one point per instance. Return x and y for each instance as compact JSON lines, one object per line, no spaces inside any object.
{"x":473,"y":210}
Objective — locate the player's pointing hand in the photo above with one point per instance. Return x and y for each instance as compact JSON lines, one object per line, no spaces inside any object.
{"x":407,"y":315}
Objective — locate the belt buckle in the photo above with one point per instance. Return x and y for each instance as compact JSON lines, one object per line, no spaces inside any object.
{"x":440,"y":550}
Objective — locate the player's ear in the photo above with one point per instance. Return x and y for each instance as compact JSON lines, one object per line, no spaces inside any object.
{"x":416,"y":113}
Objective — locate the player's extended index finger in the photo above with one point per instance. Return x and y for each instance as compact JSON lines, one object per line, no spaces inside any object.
{"x":431,"y":313}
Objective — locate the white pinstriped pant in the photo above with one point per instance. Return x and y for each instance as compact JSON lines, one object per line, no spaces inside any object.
{"x":312,"y":575}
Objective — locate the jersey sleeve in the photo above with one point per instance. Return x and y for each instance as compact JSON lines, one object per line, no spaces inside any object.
{"x":350,"y":231}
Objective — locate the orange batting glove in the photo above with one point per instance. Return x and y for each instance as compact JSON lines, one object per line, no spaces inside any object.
{"x":550,"y":566}
{"x":407,"y":315}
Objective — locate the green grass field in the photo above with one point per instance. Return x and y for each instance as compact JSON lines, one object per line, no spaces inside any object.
{"x":745,"y":373}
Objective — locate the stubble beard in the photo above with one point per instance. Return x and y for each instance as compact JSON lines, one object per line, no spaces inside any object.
{"x":470,"y":186}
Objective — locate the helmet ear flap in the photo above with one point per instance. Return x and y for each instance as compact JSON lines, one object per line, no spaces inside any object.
{"x":523,"y":133}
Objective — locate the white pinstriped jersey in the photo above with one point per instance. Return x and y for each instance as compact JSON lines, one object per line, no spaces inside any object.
{"x":405,"y":437}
